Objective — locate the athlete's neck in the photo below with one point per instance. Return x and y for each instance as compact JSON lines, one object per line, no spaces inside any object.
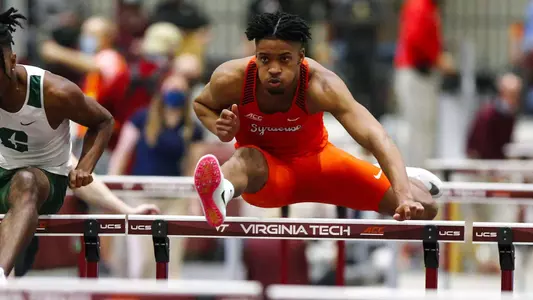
{"x":10,"y":98}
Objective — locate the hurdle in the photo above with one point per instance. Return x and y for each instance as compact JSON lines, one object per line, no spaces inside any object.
{"x":506,"y":236}
{"x":86,"y":288}
{"x":463,"y":192}
{"x":89,"y":227}
{"x":514,"y":169}
{"x":429,"y":233}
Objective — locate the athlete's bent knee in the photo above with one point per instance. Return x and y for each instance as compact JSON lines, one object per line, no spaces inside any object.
{"x":253,"y":160}
{"x":24,"y":181}
{"x":25,"y":188}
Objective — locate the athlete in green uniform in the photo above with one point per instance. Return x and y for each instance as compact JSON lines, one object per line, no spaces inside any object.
{"x":35,"y":171}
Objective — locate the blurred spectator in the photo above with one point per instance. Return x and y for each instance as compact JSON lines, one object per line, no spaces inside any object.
{"x":494,"y":123}
{"x":419,"y":55}
{"x":66,"y":33}
{"x":527,"y":55}
{"x":147,"y":71}
{"x":192,"y":22}
{"x":166,"y":142}
{"x":132,"y":23}
{"x":353,"y":38}
{"x":161,"y":134}
{"x":107,"y":75}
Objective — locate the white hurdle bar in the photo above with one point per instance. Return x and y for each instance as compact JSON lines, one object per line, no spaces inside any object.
{"x":430,"y":233}
{"x":71,"y":288}
{"x":302,"y":292}
{"x":519,"y":150}
{"x":480,"y":165}
{"x":466,"y":192}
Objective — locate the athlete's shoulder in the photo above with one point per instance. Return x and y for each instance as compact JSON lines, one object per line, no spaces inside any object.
{"x":229,"y":76}
{"x":57,"y":89}
{"x":317,"y":71}
{"x":324,"y":86}
{"x":321,"y":79}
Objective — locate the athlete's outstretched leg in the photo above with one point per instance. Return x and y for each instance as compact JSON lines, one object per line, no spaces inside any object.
{"x":28,"y":191}
{"x":245,"y":171}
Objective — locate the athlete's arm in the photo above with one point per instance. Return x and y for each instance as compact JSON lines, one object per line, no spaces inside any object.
{"x":65,"y":101}
{"x":99,"y":195}
{"x":223,"y":90}
{"x":329,"y":93}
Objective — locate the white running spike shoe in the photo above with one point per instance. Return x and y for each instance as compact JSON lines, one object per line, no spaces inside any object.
{"x":430,"y":180}
{"x":215,"y":192}
{"x":3,"y":279}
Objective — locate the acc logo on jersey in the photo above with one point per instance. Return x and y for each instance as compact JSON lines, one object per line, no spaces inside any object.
{"x":254,"y":117}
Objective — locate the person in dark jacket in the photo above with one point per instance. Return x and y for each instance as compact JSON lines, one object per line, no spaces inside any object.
{"x":494,"y":123}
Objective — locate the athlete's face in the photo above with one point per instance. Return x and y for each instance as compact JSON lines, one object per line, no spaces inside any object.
{"x":278,"y":64}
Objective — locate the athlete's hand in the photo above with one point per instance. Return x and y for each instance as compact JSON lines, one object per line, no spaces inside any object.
{"x":408,"y":210}
{"x":145,"y":209}
{"x":228,"y":124}
{"x":78,"y":178}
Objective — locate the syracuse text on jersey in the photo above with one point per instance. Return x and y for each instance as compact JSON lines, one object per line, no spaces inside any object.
{"x":262,"y":129}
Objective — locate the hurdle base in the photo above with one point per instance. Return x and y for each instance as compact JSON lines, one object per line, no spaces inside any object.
{"x":507,"y":281}
{"x":91,"y":241}
{"x":431,"y":256}
{"x":161,"y":270}
{"x":92,"y":270}
{"x":506,"y":250}
{"x":432,"y":278}
{"x":161,"y":248}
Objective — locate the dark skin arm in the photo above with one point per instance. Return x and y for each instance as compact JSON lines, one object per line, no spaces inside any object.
{"x":221,"y":93}
{"x":327,"y":92}
{"x":65,"y":101}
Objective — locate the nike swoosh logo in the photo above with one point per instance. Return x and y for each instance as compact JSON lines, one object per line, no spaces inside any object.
{"x":293,"y":120}
{"x":379,"y":174}
{"x":434,"y":190}
{"x":27,"y":124}
{"x":222,"y":195}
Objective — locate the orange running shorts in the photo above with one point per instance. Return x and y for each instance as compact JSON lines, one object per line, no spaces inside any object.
{"x":331,"y":176}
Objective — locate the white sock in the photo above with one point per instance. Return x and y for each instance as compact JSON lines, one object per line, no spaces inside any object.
{"x":2,"y":276}
{"x":229,"y":191}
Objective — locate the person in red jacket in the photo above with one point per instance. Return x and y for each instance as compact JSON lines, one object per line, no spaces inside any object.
{"x":419,"y":57}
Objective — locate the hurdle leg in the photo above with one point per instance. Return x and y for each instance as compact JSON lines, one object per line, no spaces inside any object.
{"x":431,"y":256}
{"x":91,"y":241}
{"x":507,"y":258}
{"x":82,"y":262}
{"x":342,"y":213}
{"x":284,"y":251}
{"x":161,"y":248}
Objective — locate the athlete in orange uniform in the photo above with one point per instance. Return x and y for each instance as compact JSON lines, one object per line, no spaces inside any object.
{"x":273,"y":104}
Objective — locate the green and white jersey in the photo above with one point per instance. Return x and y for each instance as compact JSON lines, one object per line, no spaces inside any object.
{"x":27,"y":140}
